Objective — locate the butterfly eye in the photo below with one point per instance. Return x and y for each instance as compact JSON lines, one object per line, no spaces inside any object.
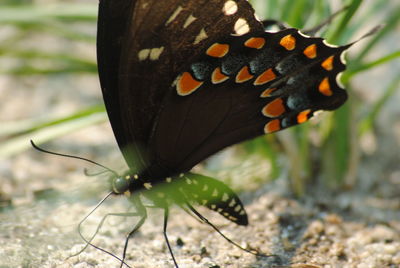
{"x":120,"y":185}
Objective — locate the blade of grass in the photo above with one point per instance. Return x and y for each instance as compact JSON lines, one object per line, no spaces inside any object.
{"x":341,"y":27}
{"x":21,"y":143}
{"x":368,"y":121}
{"x":390,"y":25}
{"x":19,"y":127}
{"x":26,"y":14}
{"x":367,"y":66}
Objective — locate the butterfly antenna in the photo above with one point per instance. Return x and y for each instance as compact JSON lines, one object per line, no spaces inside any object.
{"x":312,"y":31}
{"x":72,"y":156}
{"x":369,"y":33}
{"x":205,"y":220}
{"x":93,"y":174}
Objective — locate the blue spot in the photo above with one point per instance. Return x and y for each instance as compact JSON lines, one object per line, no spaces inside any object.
{"x":265,"y":60}
{"x":285,"y":122}
{"x":232,"y":64}
{"x":297,"y":101}
{"x":201,"y":70}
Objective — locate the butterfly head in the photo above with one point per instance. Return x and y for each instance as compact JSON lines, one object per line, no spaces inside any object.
{"x":121,"y":184}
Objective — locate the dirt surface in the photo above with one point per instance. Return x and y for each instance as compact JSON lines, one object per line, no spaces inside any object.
{"x":51,"y":196}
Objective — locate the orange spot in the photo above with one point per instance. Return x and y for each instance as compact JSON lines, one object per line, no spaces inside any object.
{"x":274,"y":109}
{"x":328,"y":63}
{"x":187,"y":84}
{"x":272,"y":126}
{"x":217,"y":50}
{"x":267,"y":92}
{"x":288,"y":42}
{"x":255,"y":42}
{"x":265,"y":77}
{"x":243,"y":75}
{"x":311,"y":51}
{"x":218,"y":77}
{"x":325,"y":88}
{"x":303,"y":116}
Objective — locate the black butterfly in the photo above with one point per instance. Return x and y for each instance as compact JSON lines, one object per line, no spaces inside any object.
{"x":183,"y":79}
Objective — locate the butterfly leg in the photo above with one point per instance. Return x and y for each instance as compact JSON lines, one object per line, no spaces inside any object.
{"x":166,"y":214}
{"x":205,"y":220}
{"x":142,"y":213}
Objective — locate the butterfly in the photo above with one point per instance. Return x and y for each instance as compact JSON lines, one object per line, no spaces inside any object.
{"x":183,"y":79}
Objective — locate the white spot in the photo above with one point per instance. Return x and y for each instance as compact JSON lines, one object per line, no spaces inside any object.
{"x":242,"y":212}
{"x":291,"y":102}
{"x":219,"y":210}
{"x":256,"y":17}
{"x":205,"y":187}
{"x":188,"y":181}
{"x":155,"y":53}
{"x":232,"y":218}
{"x":127,"y":177}
{"x":204,"y":202}
{"x":232,"y":203}
{"x":226,"y":214}
{"x":175,"y":82}
{"x":143,"y":54}
{"x":225,"y":197}
{"x":136,"y":176}
{"x":238,"y":208}
{"x":291,"y":81}
{"x":318,"y":113}
{"x":213,"y":206}
{"x":181,"y":175}
{"x":338,"y":78}
{"x":196,"y":196}
{"x":174,"y":15}
{"x":328,"y":45}
{"x":195,"y":182}
{"x":279,"y":68}
{"x":215,"y":193}
{"x":147,"y":185}
{"x":150,"y":53}
{"x":169,"y":179}
{"x":189,"y":20}
{"x":200,"y":37}
{"x":343,"y":57}
{"x":230,"y":8}
{"x":160,"y":195}
{"x":241,"y":27}
{"x":303,"y":34}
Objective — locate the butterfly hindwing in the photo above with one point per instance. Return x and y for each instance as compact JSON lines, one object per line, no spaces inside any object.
{"x":242,"y":87}
{"x":215,"y":195}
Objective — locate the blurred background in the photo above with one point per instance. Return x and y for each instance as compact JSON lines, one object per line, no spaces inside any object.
{"x":49,"y":92}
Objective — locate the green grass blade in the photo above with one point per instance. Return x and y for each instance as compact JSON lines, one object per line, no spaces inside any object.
{"x":21,"y":143}
{"x":341,"y":27}
{"x":368,"y":121}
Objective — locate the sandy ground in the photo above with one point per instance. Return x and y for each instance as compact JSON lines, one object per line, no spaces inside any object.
{"x":357,"y":228}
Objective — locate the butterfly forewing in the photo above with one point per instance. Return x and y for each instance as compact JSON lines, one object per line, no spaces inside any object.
{"x":159,"y":41}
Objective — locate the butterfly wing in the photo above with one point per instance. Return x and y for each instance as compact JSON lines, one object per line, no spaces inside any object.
{"x":215,"y":195}
{"x":142,"y":48}
{"x":257,"y":84}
